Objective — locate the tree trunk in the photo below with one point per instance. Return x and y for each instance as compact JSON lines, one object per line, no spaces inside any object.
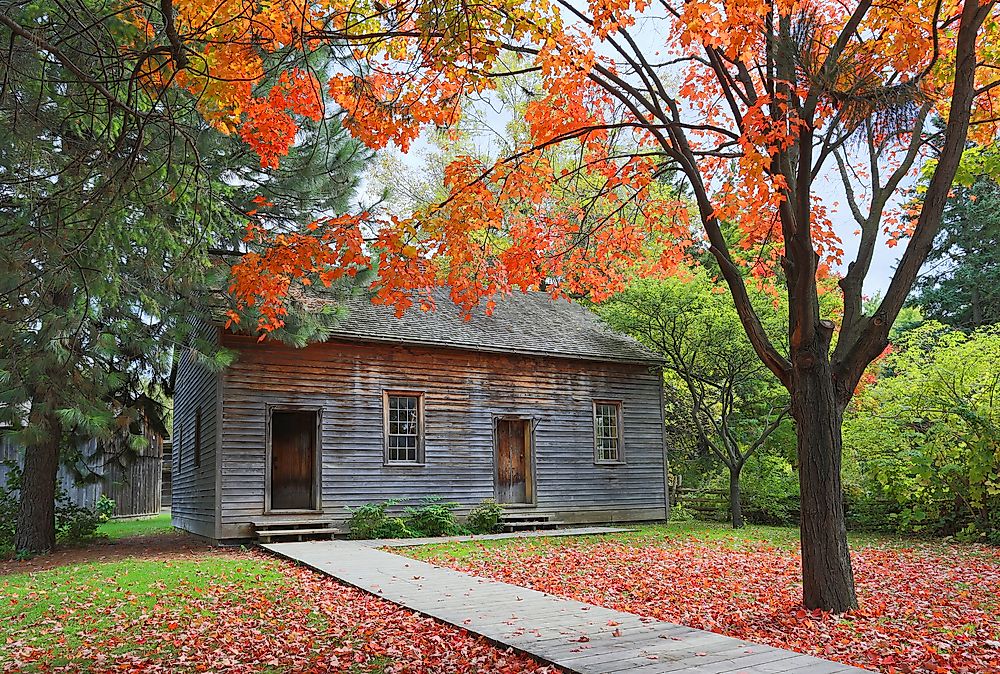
{"x":735,"y":499}
{"x":35,"y":530}
{"x":827,"y":578}
{"x":977,"y":309}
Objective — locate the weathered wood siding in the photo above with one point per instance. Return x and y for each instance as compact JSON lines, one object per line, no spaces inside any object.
{"x":194,"y":489}
{"x":133,"y":483}
{"x":463,"y":393}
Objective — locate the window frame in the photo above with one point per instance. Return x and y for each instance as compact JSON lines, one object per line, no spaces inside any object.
{"x":421,"y":428}
{"x":619,"y":420}
{"x":197,"y":437}
{"x":176,"y":446}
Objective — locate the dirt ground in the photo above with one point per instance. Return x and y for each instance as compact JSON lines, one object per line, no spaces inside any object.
{"x":159,"y":546}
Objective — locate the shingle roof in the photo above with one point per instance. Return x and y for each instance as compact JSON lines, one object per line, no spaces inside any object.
{"x":529,"y":323}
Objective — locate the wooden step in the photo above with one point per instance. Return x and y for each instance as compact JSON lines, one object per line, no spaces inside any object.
{"x":532,"y":526}
{"x":266,"y":536}
{"x":314,"y":522}
{"x":521,"y":517}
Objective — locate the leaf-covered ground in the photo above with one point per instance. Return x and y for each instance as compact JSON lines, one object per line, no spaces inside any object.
{"x":925,"y":607}
{"x":220,"y":611}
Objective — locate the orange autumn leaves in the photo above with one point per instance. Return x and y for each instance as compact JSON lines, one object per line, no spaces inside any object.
{"x":268,"y":124}
{"x":583,"y":198}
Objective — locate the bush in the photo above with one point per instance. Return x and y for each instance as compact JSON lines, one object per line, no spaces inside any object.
{"x":770,"y":490}
{"x":372,"y":521}
{"x":434,"y":518}
{"x":679,"y":513}
{"x":74,"y":524}
{"x":921,"y":438}
{"x":485,"y":518}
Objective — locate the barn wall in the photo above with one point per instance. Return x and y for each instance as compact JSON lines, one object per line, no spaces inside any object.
{"x":133,"y":483}
{"x":193,"y":487}
{"x":463,"y":391}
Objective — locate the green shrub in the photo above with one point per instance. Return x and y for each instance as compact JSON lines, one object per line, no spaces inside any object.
{"x":74,"y":524}
{"x":770,"y":490}
{"x":372,"y":521}
{"x":485,"y":518}
{"x":679,"y":513}
{"x":435,"y":517}
{"x":922,"y":438}
{"x":8,"y":504}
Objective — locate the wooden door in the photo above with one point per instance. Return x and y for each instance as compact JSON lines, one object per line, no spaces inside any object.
{"x":513,"y":461}
{"x":293,"y":460}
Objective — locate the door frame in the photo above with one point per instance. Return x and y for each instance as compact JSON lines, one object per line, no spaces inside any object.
{"x":317,"y":504}
{"x":531,"y":495}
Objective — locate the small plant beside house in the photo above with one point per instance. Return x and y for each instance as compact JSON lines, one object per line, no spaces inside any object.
{"x":485,"y":518}
{"x":373,"y":521}
{"x":433,"y":517}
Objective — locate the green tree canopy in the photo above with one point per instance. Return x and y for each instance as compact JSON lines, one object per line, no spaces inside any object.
{"x":734,"y":402}
{"x":960,"y":283}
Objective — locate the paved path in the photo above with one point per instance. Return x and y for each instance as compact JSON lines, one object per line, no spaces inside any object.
{"x":576,"y":637}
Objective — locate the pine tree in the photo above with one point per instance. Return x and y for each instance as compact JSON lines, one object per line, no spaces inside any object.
{"x":960,"y":283}
{"x":109,"y":217}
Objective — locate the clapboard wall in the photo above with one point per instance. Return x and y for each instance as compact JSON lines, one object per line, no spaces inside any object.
{"x":133,"y":482}
{"x":194,"y":439}
{"x":464,"y":392}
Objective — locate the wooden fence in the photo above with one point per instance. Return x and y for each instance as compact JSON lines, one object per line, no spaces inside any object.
{"x":705,"y":503}
{"x":134,"y":484}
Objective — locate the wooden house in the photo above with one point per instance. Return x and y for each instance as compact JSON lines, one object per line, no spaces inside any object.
{"x":539,"y":405}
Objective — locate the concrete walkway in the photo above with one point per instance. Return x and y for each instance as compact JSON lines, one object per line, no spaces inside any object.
{"x":574,"y":636}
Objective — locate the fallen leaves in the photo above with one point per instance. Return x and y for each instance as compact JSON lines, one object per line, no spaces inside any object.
{"x":255,"y":613}
{"x":927,"y":608}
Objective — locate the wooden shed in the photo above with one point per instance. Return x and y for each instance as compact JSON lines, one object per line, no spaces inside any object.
{"x":131,"y":479}
{"x":539,"y":405}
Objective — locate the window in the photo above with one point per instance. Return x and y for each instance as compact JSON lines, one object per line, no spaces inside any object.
{"x":197,"y":437}
{"x":404,"y":432}
{"x":607,"y":432}
{"x":175,"y":450}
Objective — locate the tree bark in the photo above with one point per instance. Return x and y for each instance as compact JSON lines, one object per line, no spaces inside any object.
{"x":35,"y":530}
{"x":735,"y":498}
{"x":827,"y":577}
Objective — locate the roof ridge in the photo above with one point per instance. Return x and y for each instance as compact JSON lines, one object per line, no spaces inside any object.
{"x":531,"y":323}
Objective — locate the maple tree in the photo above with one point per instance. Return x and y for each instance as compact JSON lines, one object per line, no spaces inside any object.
{"x":746,"y":104}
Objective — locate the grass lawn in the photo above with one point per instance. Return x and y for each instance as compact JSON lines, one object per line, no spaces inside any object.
{"x":187,"y":607}
{"x":926,"y":606}
{"x":143,"y":526}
